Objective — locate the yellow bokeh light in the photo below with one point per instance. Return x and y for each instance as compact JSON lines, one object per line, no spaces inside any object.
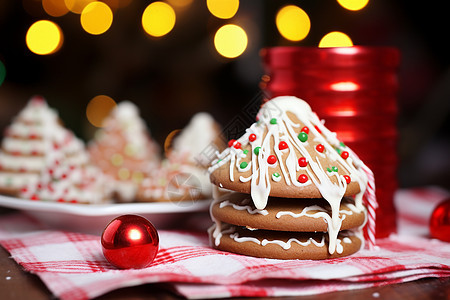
{"x":55,"y":8}
{"x":44,"y":37}
{"x":353,"y":4}
{"x":293,"y":23}
{"x":77,"y":6}
{"x":335,"y":39}
{"x":223,"y":9}
{"x":98,"y":109}
{"x":96,"y":18}
{"x":230,"y":40}
{"x":158,"y":19}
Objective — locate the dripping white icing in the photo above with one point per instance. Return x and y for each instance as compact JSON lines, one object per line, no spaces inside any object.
{"x":243,"y":206}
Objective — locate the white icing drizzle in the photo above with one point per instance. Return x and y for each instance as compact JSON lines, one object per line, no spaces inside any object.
{"x":321,"y":212}
{"x":273,"y":122}
{"x":242,"y":206}
{"x":287,"y":245}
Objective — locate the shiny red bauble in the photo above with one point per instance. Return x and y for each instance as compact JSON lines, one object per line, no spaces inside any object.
{"x":130,"y":242}
{"x":440,"y":221}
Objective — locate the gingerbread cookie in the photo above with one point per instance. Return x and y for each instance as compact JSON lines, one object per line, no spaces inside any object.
{"x":284,"y":244}
{"x":296,"y":175}
{"x":285,"y":214}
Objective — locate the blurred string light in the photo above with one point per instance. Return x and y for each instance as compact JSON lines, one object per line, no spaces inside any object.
{"x":96,"y":18}
{"x":158,"y":19}
{"x":98,"y":109}
{"x":335,"y":39}
{"x":55,"y":8}
{"x":353,"y":4}
{"x":180,"y":3}
{"x":230,"y":40}
{"x":293,"y":23}
{"x":44,"y":37}
{"x":223,"y":9}
{"x":77,"y":6}
{"x":116,"y":4}
{"x":2,"y":72}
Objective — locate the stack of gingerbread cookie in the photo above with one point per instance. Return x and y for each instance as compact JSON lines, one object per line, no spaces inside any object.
{"x":289,"y":189}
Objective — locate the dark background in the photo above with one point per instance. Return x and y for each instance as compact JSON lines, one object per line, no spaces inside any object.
{"x":172,"y":77}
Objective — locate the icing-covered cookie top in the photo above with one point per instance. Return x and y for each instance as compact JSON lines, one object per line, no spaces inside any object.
{"x":289,"y":153}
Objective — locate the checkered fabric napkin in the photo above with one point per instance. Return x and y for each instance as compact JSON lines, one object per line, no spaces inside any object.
{"x":73,"y":267}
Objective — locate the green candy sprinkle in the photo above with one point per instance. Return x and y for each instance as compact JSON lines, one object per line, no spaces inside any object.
{"x":273,"y":121}
{"x":243,"y":165}
{"x":342,"y":145}
{"x":303,"y":137}
{"x":245,"y":151}
{"x":256,"y":151}
{"x":333,"y":169}
{"x":276,"y":174}
{"x":339,"y":151}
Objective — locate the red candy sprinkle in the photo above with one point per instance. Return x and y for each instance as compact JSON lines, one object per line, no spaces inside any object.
{"x":347,"y":179}
{"x":317,"y":128}
{"x":34,"y":197}
{"x":60,"y":200}
{"x":320,"y":148}
{"x":344,"y":154}
{"x":282,"y":145}
{"x":302,"y":178}
{"x":272,"y":159}
{"x":231,"y":142}
{"x":302,"y":162}
{"x":252,"y":137}
{"x":237,"y":145}
{"x":305,"y":130}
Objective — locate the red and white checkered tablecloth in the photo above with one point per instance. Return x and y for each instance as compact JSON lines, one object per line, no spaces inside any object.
{"x":73,"y":267}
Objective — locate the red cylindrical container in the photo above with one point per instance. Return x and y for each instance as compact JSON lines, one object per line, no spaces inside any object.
{"x":354,"y":90}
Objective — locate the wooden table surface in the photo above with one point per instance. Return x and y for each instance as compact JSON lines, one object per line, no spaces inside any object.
{"x":15,"y":283}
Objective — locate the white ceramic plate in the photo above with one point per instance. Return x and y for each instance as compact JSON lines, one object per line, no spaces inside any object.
{"x":94,"y":218}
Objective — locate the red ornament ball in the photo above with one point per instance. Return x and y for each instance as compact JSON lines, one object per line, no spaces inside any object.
{"x":282,"y":145}
{"x":344,"y":154}
{"x":272,"y":159}
{"x":237,"y":145}
{"x":130,"y":242}
{"x":252,"y":137}
{"x":440,"y":221}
